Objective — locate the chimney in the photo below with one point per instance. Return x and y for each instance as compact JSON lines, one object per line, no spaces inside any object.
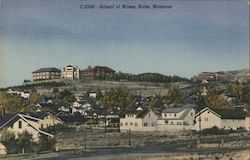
{"x":89,"y":66}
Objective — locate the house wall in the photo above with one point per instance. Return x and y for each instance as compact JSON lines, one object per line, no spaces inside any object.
{"x":247,"y":123}
{"x":189,"y":118}
{"x":208,"y":120}
{"x":147,"y":123}
{"x":48,"y":121}
{"x":25,"y":126}
{"x":232,"y":123}
{"x":130,"y":123}
{"x":175,"y":124}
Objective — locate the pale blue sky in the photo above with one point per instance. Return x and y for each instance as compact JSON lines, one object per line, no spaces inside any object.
{"x":192,"y":37}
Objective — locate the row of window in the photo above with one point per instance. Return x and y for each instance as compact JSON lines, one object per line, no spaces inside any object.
{"x":46,"y":77}
{"x":178,"y":123}
{"x":174,"y":114}
{"x":135,"y":124}
{"x":46,"y":73}
{"x":131,"y":124}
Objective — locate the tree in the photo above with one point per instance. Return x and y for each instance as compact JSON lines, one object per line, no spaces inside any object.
{"x":240,"y":91}
{"x":9,"y":141}
{"x":13,"y":103}
{"x":45,"y":143}
{"x":174,"y":95}
{"x":119,"y":97}
{"x":215,"y":100}
{"x":156,"y":102}
{"x":35,"y":97}
{"x":25,"y":141}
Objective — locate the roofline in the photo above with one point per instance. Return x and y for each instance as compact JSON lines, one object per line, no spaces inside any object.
{"x":182,"y":108}
{"x":55,"y":117}
{"x":17,"y":114}
{"x":203,"y":110}
{"x":23,"y":118}
{"x":40,"y":131}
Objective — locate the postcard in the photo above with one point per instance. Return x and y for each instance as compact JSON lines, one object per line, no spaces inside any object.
{"x":127,"y":79}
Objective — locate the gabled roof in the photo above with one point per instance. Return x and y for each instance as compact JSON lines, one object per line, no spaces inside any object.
{"x":173,"y":110}
{"x":6,"y":118}
{"x":47,"y":70}
{"x":143,"y":113}
{"x":41,"y":115}
{"x":226,"y":113}
{"x":25,"y":118}
{"x":186,"y":110}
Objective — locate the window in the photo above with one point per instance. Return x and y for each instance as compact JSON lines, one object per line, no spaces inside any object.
{"x":42,"y":126}
{"x":126,"y":124}
{"x":149,"y":114}
{"x":191,"y":113}
{"x":145,"y":124}
{"x":175,"y":115}
{"x":172,"y":123}
{"x":179,"y":123}
{"x":206,"y":119}
{"x":165,"y":115}
{"x":19,"y":124}
{"x":131,"y":124}
{"x":136,"y":124}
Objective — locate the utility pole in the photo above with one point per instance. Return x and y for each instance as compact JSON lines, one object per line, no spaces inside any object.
{"x":129,"y":137}
{"x":85,"y":138}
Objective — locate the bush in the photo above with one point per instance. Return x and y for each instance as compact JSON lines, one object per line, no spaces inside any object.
{"x":9,"y":141}
{"x":13,"y":145}
{"x":216,"y":131}
{"x":45,"y":143}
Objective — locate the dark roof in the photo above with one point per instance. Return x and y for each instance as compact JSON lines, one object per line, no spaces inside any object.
{"x":37,"y":114}
{"x":6,"y":118}
{"x":47,"y":70}
{"x":73,"y":119}
{"x":228,"y":113}
{"x":98,"y":68}
{"x":143,"y":113}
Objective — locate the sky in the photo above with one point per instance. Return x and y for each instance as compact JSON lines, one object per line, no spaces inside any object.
{"x":191,"y":37}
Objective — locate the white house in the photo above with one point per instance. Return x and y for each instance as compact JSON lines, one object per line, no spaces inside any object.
{"x":247,"y":122}
{"x":70,"y":72}
{"x":177,"y":119}
{"x":18,"y":123}
{"x":93,"y":95}
{"x":145,"y":120}
{"x":224,"y":118}
{"x":25,"y":94}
